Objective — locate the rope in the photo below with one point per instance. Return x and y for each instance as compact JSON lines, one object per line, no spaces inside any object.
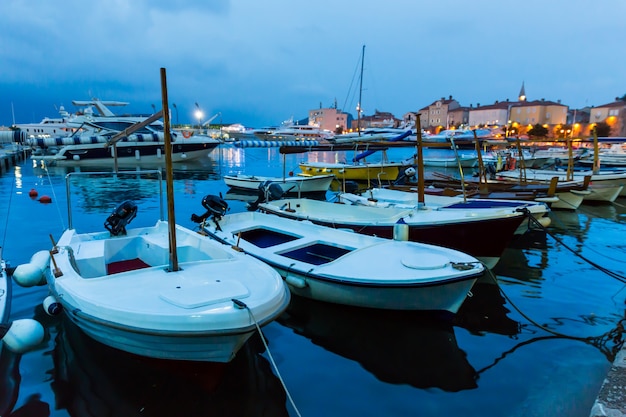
{"x":615,"y":335}
{"x":241,"y":304}
{"x":56,"y":202}
{"x":6,"y":224}
{"x":610,"y":273}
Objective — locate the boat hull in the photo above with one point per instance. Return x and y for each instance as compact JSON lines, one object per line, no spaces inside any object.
{"x":203,"y":347}
{"x":341,"y":267}
{"x":130,"y":153}
{"x":364,"y":172}
{"x":464,"y":233}
{"x":297,"y":184}
{"x":120,"y":292}
{"x":5,"y":293}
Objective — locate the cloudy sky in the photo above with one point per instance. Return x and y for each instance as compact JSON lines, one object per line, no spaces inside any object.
{"x":262,"y":62}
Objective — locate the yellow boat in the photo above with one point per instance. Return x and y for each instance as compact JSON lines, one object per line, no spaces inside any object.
{"x":383,"y":171}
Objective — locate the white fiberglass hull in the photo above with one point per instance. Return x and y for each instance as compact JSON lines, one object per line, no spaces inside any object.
{"x":348,"y":268}
{"x":294,"y":184}
{"x":119,"y":291}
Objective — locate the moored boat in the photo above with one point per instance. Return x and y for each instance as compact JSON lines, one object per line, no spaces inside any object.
{"x":289,"y":184}
{"x":461,"y":231}
{"x":383,"y":198}
{"x":161,"y":291}
{"x":342,"y":267}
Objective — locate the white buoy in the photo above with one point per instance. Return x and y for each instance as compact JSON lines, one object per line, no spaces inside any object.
{"x":23,"y":335}
{"x":51,"y":306}
{"x":28,"y":275}
{"x":41,"y":259}
{"x":32,"y":273}
{"x":76,"y":158}
{"x":137,"y":154}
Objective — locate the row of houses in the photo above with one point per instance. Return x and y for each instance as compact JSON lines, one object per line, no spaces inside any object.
{"x":517,"y":116}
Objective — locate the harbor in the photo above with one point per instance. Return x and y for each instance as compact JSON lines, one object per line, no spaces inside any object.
{"x":540,"y":339}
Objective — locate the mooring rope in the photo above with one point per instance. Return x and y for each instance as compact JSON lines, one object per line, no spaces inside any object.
{"x":615,"y":334}
{"x":241,"y":304}
{"x":610,"y":273}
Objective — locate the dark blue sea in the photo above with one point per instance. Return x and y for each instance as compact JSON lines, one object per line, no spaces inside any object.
{"x":539,"y":343}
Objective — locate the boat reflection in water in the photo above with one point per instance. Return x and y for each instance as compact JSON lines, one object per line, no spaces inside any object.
{"x":91,"y":379}
{"x":397,"y":347}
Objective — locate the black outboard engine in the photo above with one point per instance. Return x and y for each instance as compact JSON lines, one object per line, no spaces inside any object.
{"x":268,"y":191}
{"x":121,"y":216}
{"x":215,"y":206}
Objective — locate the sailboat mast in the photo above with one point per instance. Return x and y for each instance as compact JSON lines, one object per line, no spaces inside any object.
{"x":169,"y":178}
{"x":358,"y":114}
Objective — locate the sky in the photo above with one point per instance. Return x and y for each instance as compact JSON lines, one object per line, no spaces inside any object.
{"x":259,"y":63}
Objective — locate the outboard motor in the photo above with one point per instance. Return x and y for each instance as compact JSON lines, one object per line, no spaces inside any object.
{"x":268,"y":191}
{"x":215,"y":206}
{"x":409,"y":176}
{"x":121,"y":216}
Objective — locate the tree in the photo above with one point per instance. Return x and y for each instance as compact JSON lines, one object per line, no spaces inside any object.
{"x":603,"y":129}
{"x":537,"y":131}
{"x":623,"y":98}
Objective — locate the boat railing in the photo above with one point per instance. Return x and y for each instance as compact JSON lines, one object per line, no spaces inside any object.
{"x":144,"y":173}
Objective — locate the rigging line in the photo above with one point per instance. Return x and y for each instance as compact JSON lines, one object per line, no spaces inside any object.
{"x":356,"y":69}
{"x":56,"y":201}
{"x":241,"y":304}
{"x":6,"y":224}
{"x":610,"y":273}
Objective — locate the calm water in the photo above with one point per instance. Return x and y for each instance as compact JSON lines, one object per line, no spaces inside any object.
{"x":491,"y":359}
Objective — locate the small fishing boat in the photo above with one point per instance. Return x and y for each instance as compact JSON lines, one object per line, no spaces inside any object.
{"x":483,"y":233}
{"x":384,"y":198}
{"x":297,"y":184}
{"x":161,"y":291}
{"x":348,"y":268}
{"x":367,"y":171}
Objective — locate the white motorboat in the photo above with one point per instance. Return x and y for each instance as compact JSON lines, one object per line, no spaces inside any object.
{"x":383,"y":198}
{"x":92,"y":140}
{"x":297,"y":184}
{"x":343,"y":267}
{"x":119,"y":287}
{"x":461,"y":230}
{"x":161,"y":291}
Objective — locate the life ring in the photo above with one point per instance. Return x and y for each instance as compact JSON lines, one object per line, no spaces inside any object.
{"x":187,"y":134}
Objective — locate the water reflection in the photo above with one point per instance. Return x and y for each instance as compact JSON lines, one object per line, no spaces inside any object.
{"x":396,"y":347}
{"x":91,"y":379}
{"x":485,"y":311}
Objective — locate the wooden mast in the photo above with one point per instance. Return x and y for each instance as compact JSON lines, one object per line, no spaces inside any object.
{"x":420,"y":163}
{"x":169,"y":177}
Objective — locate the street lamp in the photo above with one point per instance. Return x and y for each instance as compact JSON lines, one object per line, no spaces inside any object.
{"x":199,"y":115}
{"x":153,"y":108}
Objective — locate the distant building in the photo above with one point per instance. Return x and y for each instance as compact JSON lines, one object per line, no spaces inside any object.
{"x":331,"y":119}
{"x":496,"y":114}
{"x":378,"y":119}
{"x":543,"y":112}
{"x":437,"y":114}
{"x":613,"y":114}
